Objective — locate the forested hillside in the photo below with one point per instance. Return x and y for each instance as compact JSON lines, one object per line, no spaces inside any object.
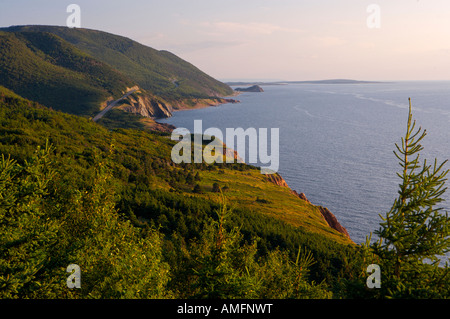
{"x":45,"y":68}
{"x":158,"y":71}
{"x":114,"y":203}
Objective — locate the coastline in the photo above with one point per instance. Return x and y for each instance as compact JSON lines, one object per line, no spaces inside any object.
{"x":200,"y":104}
{"x":206,"y":102}
{"x":276,"y":178}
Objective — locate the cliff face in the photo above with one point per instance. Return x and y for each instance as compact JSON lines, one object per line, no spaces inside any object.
{"x":301,"y":196}
{"x":229,"y":153}
{"x":147,"y":106}
{"x":277,"y":179}
{"x":200,"y":103}
{"x":332,"y":221}
{"x":325,"y":212}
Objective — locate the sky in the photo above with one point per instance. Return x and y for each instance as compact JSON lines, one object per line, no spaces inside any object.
{"x":272,"y":39}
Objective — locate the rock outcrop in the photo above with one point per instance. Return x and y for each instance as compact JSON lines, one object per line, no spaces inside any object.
{"x":277,"y":179}
{"x":325,"y":212}
{"x":301,"y":196}
{"x":332,"y":221}
{"x":146,"y":105}
{"x":230,"y":153}
{"x":197,"y":103}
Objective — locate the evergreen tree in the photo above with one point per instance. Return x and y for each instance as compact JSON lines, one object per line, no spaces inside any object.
{"x":414,"y":232}
{"x":189,"y":178}
{"x":27,"y":233}
{"x":219,"y":263}
{"x":46,"y":224}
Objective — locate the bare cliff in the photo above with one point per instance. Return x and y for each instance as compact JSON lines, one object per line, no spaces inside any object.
{"x":332,"y":221}
{"x":146,"y":105}
{"x":196,"y":103}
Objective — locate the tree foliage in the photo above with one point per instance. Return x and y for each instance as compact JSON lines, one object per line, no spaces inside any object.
{"x":415,"y":232}
{"x":45,"y":225}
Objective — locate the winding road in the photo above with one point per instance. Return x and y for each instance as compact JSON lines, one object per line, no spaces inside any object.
{"x":111,"y":105}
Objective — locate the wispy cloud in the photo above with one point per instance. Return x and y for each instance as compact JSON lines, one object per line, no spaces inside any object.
{"x":252,"y":28}
{"x":202,"y":45}
{"x":328,"y":41}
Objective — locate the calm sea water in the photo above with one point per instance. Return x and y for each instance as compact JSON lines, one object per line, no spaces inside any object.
{"x":337,"y":140}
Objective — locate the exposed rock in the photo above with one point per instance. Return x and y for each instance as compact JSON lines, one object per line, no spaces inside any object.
{"x":326,"y":214}
{"x":230,"y":153}
{"x":230,"y":101}
{"x":277,"y":179}
{"x":332,"y":221}
{"x":196,"y":103}
{"x":135,"y":88}
{"x":301,"y":196}
{"x":146,"y":105}
{"x":105,"y":103}
{"x":254,"y":88}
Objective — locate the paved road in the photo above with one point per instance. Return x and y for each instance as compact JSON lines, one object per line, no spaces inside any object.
{"x":110,"y":106}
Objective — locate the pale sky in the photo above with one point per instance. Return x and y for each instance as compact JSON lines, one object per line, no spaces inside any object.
{"x":272,"y":39}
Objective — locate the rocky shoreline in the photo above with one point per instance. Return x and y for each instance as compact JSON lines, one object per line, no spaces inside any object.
{"x":328,"y":216}
{"x":276,"y":178}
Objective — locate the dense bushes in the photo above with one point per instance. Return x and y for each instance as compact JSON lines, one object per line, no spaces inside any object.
{"x":47,"y":224}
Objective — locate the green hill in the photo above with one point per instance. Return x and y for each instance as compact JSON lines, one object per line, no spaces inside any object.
{"x":160,"y":72}
{"x":79,"y":71}
{"x":97,"y":183}
{"x":45,"y":68}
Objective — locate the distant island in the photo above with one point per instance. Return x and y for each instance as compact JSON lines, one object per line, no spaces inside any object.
{"x":331,"y":81}
{"x":254,"y":88}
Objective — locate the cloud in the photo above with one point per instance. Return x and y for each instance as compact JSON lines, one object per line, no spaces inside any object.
{"x":252,"y":28}
{"x":203,"y":45}
{"x":367,"y":45}
{"x":327,"y":41}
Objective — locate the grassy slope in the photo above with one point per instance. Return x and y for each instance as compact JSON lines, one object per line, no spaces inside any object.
{"x":252,"y":190}
{"x":45,"y":68}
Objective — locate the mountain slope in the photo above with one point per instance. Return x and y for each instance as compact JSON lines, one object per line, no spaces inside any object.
{"x":45,"y":68}
{"x":160,"y":72}
{"x":80,"y":71}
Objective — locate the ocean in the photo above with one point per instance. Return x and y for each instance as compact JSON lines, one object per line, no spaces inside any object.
{"x":337,"y":140}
